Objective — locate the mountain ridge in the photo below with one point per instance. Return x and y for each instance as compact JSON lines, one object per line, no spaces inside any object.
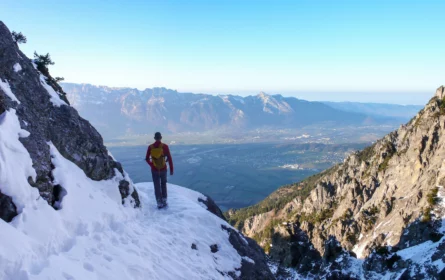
{"x":133,"y":111}
{"x":385,"y":198}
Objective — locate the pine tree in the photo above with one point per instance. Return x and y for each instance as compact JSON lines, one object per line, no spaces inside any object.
{"x":42,"y":60}
{"x":18,"y":38}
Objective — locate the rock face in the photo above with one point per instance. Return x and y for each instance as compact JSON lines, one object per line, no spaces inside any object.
{"x":43,"y":113}
{"x":254,"y":264}
{"x":387,"y":195}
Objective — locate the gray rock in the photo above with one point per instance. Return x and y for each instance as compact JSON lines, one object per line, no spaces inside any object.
{"x":7,"y":208}
{"x":212,"y":207}
{"x":292,"y":248}
{"x":73,"y":136}
{"x":376,"y":197}
{"x":246,"y":247}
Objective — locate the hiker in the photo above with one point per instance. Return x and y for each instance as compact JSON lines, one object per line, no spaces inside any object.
{"x":156,"y":154}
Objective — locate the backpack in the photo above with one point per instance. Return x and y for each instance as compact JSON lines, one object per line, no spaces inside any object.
{"x":157,"y":156}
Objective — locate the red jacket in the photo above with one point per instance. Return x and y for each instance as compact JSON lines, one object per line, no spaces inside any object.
{"x":166,"y":153}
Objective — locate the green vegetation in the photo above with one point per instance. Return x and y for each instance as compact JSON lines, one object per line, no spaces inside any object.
{"x":317,"y":217}
{"x":432,"y":200}
{"x":441,"y":103}
{"x":418,"y":118}
{"x":369,"y":217}
{"x":18,"y":38}
{"x":366,"y":154}
{"x":278,"y":199}
{"x":347,"y":216}
{"x":267,"y":234}
{"x":390,"y":150}
{"x":432,"y":196}
{"x":384,"y":164}
{"x":351,"y":237}
{"x":42,"y":61}
{"x":268,"y":231}
{"x":426,"y":215}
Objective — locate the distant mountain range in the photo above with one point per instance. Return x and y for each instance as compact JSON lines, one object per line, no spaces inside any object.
{"x":119,"y":111}
{"x":403,"y":112}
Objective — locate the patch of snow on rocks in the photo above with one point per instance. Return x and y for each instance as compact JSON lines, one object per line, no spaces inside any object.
{"x":55,"y":98}
{"x":17,"y":67}
{"x":7,"y":90}
{"x":15,"y":164}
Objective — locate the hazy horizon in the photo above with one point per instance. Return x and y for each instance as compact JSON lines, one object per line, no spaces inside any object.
{"x":361,"y":51}
{"x":411,"y":98}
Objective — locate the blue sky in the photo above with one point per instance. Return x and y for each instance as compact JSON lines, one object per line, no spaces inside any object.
{"x":357,"y":50}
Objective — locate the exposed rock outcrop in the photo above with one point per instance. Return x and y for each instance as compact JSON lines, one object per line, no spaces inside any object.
{"x":254,"y":264}
{"x":212,"y":207}
{"x":41,"y":110}
{"x":385,"y":195}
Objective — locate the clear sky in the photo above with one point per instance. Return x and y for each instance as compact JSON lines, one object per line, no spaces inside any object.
{"x":358,"y":50}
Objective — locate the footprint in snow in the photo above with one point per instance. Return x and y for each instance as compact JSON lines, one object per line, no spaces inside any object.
{"x":68,"y":276}
{"x":108,"y":258}
{"x":88,"y":266}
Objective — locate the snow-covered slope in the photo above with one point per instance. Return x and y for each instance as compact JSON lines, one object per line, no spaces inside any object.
{"x":93,"y":236}
{"x":68,"y":210}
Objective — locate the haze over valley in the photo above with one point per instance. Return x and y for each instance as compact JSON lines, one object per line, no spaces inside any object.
{"x":127,"y":116}
{"x":236,"y":149}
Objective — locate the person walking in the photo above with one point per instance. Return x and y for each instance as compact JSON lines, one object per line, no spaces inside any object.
{"x":156,"y":158}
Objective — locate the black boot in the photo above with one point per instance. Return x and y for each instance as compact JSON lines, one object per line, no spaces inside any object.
{"x":160,"y":204}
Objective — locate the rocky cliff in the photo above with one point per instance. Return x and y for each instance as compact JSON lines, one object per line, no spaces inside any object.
{"x":40,"y":109}
{"x":381,"y":200}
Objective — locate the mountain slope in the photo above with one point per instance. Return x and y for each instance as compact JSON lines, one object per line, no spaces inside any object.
{"x":68,"y":210}
{"x":133,"y":111}
{"x":385,"y":195}
{"x":402,"y":112}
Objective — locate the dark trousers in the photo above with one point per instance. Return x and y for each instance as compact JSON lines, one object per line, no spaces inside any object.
{"x":160,"y":184}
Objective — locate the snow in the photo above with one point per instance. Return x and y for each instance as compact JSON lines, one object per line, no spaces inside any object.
{"x":17,"y":67}
{"x":15,"y":162}
{"x":55,"y":98}
{"x":358,"y":249}
{"x":353,"y":267}
{"x":7,"y":90}
{"x":422,"y":253}
{"x":94,"y":236}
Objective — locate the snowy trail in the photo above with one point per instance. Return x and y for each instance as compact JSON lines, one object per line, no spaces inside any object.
{"x":156,"y":244}
{"x":94,"y":236}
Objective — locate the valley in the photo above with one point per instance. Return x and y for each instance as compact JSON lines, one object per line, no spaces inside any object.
{"x":237,"y":176}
